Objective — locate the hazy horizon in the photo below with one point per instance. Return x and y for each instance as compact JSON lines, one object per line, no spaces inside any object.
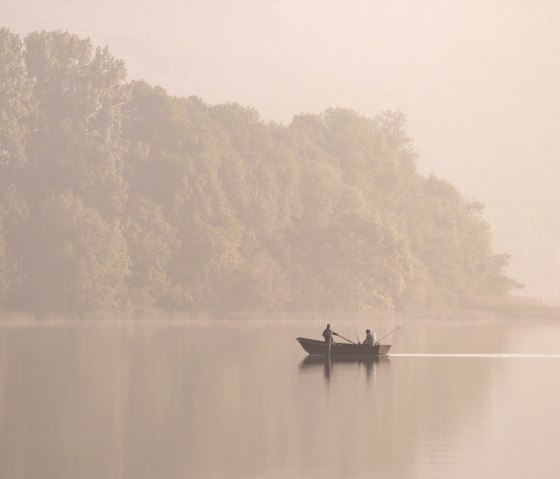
{"x":477,"y":82}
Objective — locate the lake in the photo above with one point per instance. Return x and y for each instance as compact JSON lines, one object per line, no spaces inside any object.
{"x":241,"y":399}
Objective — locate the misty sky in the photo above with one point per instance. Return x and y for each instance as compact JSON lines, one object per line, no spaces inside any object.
{"x":478,"y":80}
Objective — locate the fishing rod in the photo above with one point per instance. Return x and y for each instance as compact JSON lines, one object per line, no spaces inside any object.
{"x":336,"y":334}
{"x":397,"y":328}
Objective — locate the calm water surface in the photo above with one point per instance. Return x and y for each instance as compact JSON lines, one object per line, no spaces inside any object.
{"x":210,"y":399}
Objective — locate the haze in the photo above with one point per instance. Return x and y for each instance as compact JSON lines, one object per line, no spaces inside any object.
{"x":477,"y":80}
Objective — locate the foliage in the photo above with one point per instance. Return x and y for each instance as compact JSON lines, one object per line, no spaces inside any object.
{"x":152,"y":242}
{"x":14,"y":98}
{"x":76,"y":142}
{"x":74,"y":259}
{"x":116,"y":195}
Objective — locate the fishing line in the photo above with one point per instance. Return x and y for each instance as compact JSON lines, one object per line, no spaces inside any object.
{"x":396,"y":329}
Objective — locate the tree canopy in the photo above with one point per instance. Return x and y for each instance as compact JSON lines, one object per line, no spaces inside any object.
{"x":115,"y":194}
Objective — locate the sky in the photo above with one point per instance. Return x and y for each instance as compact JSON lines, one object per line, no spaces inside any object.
{"x":477,"y":80}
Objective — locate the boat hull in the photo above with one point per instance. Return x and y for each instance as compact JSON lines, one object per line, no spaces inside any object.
{"x":320,"y":348}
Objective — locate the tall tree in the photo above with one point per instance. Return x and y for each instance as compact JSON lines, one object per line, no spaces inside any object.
{"x":152,"y":244}
{"x":15,"y":97}
{"x":74,"y":259}
{"x":77,"y":142}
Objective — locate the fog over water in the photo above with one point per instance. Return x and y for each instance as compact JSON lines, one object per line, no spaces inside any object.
{"x":241,"y":399}
{"x":477,"y":81}
{"x":161,"y":249}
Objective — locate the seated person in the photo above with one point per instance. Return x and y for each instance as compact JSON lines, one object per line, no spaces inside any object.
{"x":370,"y":338}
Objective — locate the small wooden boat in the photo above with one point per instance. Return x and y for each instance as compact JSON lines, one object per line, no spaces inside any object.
{"x":321,"y":348}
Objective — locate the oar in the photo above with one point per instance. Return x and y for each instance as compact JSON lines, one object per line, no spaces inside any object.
{"x":346,"y":339}
{"x":398,"y":327}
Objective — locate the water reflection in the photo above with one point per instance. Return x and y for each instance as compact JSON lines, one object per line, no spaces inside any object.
{"x":329,"y":364}
{"x":177,"y":400}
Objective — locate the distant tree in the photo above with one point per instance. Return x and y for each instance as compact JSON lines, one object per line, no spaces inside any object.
{"x":15,"y":99}
{"x":320,"y":185}
{"x":497,"y":283}
{"x":152,"y":243}
{"x":452,"y":244}
{"x":392,"y":125}
{"x":15,"y":89}
{"x":259,"y":284}
{"x":182,"y":173}
{"x":116,"y":194}
{"x":74,"y":259}
{"x":76,"y":143}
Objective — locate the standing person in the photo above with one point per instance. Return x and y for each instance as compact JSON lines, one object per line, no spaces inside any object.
{"x":328,"y":334}
{"x":370,"y":338}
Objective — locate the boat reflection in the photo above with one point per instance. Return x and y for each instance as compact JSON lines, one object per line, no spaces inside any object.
{"x":328,"y":364}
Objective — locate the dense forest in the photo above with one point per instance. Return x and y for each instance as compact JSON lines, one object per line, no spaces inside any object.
{"x":116,"y":195}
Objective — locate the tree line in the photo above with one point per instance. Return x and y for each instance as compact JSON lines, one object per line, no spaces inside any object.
{"x":115,"y":194}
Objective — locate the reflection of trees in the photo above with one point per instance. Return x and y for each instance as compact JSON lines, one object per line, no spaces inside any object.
{"x":218,"y":400}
